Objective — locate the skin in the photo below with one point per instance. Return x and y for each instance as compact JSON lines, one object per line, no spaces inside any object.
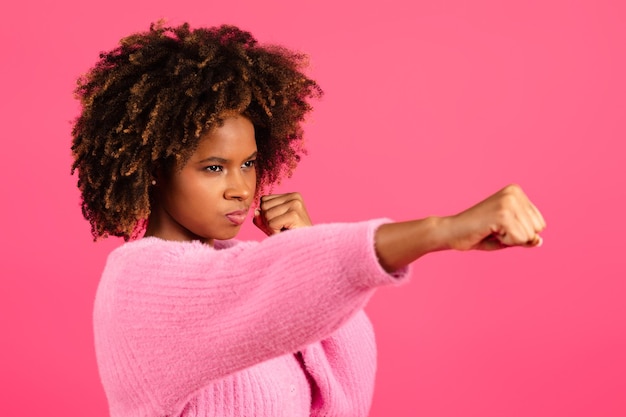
{"x":505,"y":219}
{"x":281,"y":212}
{"x":192,"y":203}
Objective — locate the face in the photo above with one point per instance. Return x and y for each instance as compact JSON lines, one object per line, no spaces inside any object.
{"x":210,"y":196}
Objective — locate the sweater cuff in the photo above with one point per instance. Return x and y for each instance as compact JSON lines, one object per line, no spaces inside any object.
{"x":377,"y":274}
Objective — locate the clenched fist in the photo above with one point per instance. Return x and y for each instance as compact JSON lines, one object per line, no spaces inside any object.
{"x":280,"y":212}
{"x":507,"y":218}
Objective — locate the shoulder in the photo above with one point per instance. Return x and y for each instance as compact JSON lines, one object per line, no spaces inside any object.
{"x":152,"y":258}
{"x":153,"y":249}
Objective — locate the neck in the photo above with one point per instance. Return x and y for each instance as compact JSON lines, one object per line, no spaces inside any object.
{"x":163,"y":226}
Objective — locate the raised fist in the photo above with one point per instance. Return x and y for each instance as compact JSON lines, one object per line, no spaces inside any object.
{"x":279,"y":212}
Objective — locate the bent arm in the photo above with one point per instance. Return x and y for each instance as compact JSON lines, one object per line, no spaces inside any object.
{"x":177,"y":315}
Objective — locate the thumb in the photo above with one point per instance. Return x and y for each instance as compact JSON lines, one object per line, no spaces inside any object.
{"x":490,"y":243}
{"x":258,"y":222}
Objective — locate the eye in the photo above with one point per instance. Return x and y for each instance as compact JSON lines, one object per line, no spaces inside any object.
{"x":249,"y":164}
{"x":214,"y":168}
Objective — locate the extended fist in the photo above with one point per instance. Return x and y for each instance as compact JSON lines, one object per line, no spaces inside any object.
{"x":280,"y":212}
{"x":507,"y":218}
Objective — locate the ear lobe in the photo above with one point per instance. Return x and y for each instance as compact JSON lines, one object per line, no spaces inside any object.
{"x":159,"y":175}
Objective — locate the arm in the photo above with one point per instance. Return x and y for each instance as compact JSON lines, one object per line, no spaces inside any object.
{"x":505,"y":219}
{"x":170,"y":317}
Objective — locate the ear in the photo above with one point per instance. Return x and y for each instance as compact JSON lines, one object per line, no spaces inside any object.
{"x":159,"y":175}
{"x":157,"y":179}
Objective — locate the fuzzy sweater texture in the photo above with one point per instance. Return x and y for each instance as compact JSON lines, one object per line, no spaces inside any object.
{"x":268,"y":329}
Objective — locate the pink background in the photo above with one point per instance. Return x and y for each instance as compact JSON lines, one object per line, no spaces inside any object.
{"x":429,"y":106}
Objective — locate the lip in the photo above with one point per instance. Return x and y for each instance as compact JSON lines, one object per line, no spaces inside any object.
{"x":237,"y":217}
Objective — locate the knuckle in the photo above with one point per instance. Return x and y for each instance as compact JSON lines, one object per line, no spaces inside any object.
{"x":264,"y":205}
{"x":507,"y":201}
{"x":513,"y":189}
{"x":297,"y":204}
{"x":503,"y":216}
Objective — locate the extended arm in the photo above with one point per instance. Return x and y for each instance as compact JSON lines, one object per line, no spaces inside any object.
{"x":505,"y":219}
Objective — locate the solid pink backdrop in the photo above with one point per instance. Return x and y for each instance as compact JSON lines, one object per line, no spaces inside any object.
{"x":429,"y":107}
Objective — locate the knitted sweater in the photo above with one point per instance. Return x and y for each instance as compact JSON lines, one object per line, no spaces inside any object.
{"x":271,"y":328}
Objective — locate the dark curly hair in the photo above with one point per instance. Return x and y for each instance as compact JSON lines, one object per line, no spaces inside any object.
{"x":146,"y":103}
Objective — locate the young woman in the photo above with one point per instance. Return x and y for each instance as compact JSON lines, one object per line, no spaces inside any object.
{"x":180,"y":131}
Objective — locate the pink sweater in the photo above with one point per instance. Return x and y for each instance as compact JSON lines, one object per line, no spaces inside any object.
{"x":271,"y":328}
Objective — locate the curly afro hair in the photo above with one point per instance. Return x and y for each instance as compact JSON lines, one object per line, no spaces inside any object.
{"x":146,"y":103}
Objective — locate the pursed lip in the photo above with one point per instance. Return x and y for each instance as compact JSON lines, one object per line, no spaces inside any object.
{"x":237,"y":217}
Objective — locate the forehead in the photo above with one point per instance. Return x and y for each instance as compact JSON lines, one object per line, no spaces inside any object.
{"x":232,"y":140}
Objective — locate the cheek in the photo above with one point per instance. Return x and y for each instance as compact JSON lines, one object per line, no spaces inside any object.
{"x":252,"y":183}
{"x":185,"y":191}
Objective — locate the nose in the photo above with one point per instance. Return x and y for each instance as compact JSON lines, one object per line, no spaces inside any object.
{"x":238,"y":187}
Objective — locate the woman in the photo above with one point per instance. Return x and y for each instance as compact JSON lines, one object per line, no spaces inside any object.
{"x":180,"y":132}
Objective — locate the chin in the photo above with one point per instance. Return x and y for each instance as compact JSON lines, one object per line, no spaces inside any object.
{"x":226,"y":235}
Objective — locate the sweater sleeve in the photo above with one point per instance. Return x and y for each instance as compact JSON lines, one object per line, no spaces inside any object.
{"x":172,"y":316}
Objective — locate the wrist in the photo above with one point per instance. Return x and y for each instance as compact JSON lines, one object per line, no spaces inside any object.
{"x":441,"y":233}
{"x":399,"y":244}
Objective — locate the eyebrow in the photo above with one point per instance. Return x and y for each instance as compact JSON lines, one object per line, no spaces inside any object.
{"x":220,"y":160}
